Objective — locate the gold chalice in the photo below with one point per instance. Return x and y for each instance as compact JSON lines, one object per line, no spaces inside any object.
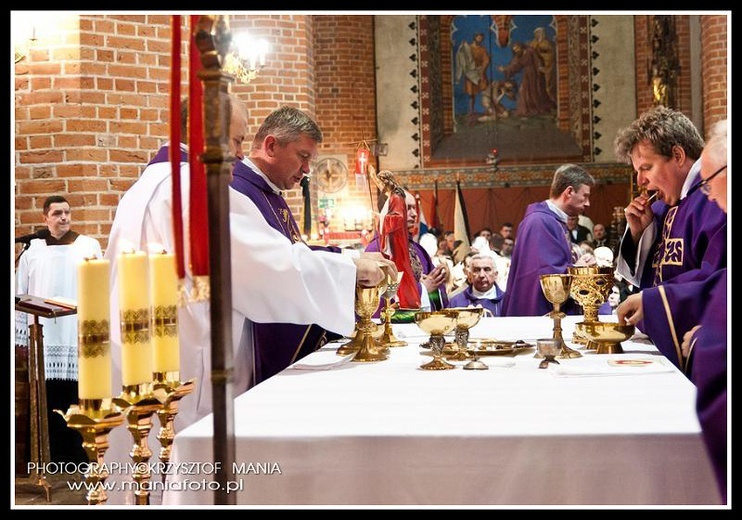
{"x":556,"y":289}
{"x":608,"y":335}
{"x":437,"y":323}
{"x":387,"y":338}
{"x":591,"y":286}
{"x":466,"y":319}
{"x":367,"y":301}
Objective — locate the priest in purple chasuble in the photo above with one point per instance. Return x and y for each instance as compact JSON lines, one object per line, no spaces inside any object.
{"x":277,"y":345}
{"x":690,"y":248}
{"x":543,"y":245}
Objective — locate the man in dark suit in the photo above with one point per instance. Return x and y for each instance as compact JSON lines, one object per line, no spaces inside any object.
{"x":578,"y":233}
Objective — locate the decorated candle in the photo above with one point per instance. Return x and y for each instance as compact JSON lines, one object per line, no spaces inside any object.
{"x":163,"y":290}
{"x":93,"y":325}
{"x":136,"y":345}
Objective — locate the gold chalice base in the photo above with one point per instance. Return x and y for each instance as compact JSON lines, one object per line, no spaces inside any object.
{"x":437,"y":364}
{"x":356,"y":339}
{"x":606,"y":335}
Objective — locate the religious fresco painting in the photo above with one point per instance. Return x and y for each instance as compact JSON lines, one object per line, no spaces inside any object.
{"x":505,"y":73}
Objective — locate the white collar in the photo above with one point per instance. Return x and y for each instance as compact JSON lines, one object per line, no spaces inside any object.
{"x":559,"y":213}
{"x":489,"y":295}
{"x":691,"y":178}
{"x":255,"y":168}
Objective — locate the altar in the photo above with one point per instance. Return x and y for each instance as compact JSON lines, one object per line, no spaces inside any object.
{"x":587,"y":432}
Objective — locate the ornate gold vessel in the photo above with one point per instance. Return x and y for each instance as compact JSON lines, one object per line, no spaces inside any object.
{"x":556,"y":289}
{"x":437,"y":323}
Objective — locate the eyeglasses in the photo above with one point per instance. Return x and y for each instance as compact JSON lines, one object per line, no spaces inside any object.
{"x":704,"y":184}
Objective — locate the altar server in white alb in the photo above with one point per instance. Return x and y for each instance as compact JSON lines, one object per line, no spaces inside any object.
{"x":48,"y":269}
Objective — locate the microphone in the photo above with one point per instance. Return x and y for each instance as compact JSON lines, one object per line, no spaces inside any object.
{"x":41,"y":233}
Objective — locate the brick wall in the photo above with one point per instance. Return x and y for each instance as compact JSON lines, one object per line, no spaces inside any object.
{"x":90,"y":108}
{"x":346,"y":95}
{"x":714,"y":68}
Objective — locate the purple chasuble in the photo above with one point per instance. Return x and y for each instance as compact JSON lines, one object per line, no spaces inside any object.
{"x":691,"y":247}
{"x":466,"y":298}
{"x":277,"y":345}
{"x":709,"y":373}
{"x":543,"y":247}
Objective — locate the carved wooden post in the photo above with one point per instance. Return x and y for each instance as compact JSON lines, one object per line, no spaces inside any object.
{"x":212,"y":38}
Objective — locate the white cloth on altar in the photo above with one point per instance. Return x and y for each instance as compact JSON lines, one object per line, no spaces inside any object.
{"x":51,"y":271}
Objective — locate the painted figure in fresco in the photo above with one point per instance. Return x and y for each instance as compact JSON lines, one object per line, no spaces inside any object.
{"x":532,"y":98}
{"x":492,"y":100}
{"x":472,"y":60}
{"x":547,"y":56}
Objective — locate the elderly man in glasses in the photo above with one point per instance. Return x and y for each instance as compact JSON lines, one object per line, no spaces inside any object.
{"x":672,"y":245}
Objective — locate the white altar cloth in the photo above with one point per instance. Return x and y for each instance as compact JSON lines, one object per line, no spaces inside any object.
{"x":389,"y":433}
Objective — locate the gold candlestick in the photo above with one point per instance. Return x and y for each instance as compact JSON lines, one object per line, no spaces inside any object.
{"x":140,"y":404}
{"x":169,"y":390}
{"x":94,"y":419}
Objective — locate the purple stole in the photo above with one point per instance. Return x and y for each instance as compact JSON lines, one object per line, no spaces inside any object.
{"x":162,"y":156}
{"x":277,"y":345}
{"x":543,"y":247}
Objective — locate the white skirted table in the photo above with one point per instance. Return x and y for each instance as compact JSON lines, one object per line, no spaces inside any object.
{"x":388,"y":433}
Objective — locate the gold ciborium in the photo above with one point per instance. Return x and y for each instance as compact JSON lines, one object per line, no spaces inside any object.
{"x":367,"y":301}
{"x":556,"y":289}
{"x":608,"y":335}
{"x":466,"y":319}
{"x":437,"y":323}
{"x":387,"y":338}
{"x":591,"y":286}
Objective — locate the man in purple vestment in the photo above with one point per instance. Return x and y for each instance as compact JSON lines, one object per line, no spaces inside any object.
{"x":705,"y":346}
{"x":280,"y":157}
{"x":544,"y":246}
{"x":678,"y":240}
{"x":483,"y":291}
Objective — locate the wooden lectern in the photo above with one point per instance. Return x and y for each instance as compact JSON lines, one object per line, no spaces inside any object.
{"x":39,"y":427}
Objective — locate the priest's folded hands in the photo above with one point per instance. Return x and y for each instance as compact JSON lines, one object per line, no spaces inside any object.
{"x":372,"y":269}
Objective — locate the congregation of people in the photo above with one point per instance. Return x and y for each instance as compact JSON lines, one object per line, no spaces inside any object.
{"x":670,"y":264}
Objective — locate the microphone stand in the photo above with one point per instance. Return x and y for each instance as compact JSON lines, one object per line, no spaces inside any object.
{"x":25,"y":247}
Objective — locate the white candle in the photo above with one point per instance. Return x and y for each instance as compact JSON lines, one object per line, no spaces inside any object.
{"x":136,"y":344}
{"x":163,"y":290}
{"x":93,"y":323}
